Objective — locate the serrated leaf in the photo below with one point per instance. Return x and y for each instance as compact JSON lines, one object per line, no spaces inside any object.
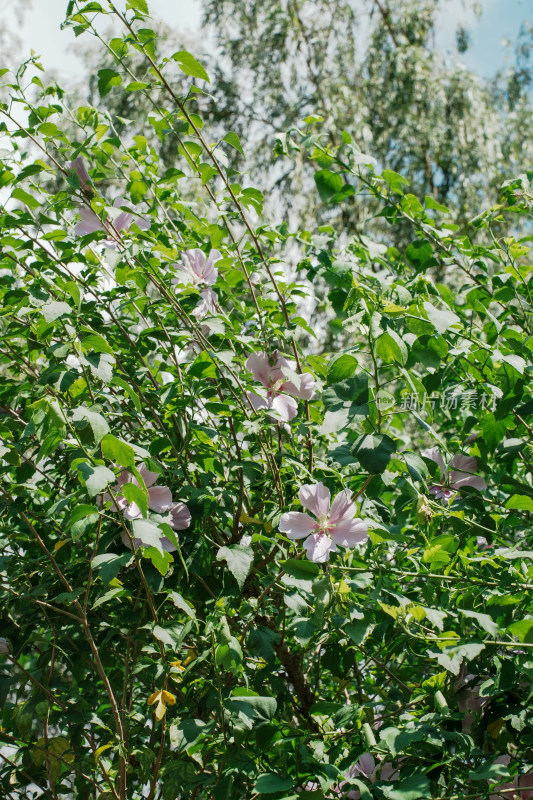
{"x":55,"y":309}
{"x":96,"y":477}
{"x":441,"y":318}
{"x":390,"y":347}
{"x":97,"y":422}
{"x":374,"y":451}
{"x":118,"y":451}
{"x":239,"y":560}
{"x":24,"y":197}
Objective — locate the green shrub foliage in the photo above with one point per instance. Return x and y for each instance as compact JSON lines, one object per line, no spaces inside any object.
{"x":234,"y":564}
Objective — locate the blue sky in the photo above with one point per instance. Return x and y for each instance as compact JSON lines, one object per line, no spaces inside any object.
{"x":501,"y":19}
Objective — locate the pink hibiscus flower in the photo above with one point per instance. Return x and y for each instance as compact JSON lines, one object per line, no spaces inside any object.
{"x":90,"y":223}
{"x":364,"y":768}
{"x":280,"y":390}
{"x":207,"y":304}
{"x":469,"y":701}
{"x":78,"y":166}
{"x":196,"y":268}
{"x":461,"y":475}
{"x":522,"y":784}
{"x":336,"y":523}
{"x":159,"y":500}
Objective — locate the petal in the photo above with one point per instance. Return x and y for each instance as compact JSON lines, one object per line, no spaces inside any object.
{"x":257,"y":364}
{"x":207,"y":304}
{"x":305,"y":390}
{"x":181,"y":516}
{"x":78,"y":165}
{"x":256,"y":401}
{"x":89,"y":222}
{"x":315,"y":497}
{"x":142,"y":222}
{"x":349,"y":532}
{"x":343,"y":507}
{"x":132,"y":511}
{"x":318,"y":547}
{"x":126,"y":541}
{"x":286,"y":406}
{"x":167,"y":545}
{"x":123,"y":221}
{"x":296,"y":524}
{"x":148,"y":477}
{"x":211,"y":272}
{"x":460,"y":479}
{"x":463,"y":463}
{"x":434,"y":454}
{"x":365,"y":765}
{"x":388,"y":772}
{"x":160,"y":498}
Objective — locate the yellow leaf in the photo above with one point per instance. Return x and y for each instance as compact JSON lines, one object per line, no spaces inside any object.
{"x":495,"y":727}
{"x":59,"y":545}
{"x":244,"y":519}
{"x":168,"y":698}
{"x":162,"y":698}
{"x":101,"y":750}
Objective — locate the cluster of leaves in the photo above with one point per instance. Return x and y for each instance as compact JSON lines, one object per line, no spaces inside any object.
{"x":232,"y":666}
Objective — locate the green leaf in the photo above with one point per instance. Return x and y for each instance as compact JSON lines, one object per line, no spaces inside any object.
{"x":342,"y":367}
{"x":109,"y":564}
{"x":244,"y":700}
{"x":232,"y":139}
{"x":55,"y":309}
{"x":395,"y":180}
{"x":352,"y":390}
{"x":414,"y":788}
{"x":96,"y":477}
{"x":302,"y":570}
{"x":118,"y":451}
{"x":172,"y":635}
{"x":136,"y":86}
{"x":390,"y":347}
{"x":101,"y":366}
{"x":182,"y":604}
{"x":138,"y":5}
{"x":97,"y":343}
{"x":97,"y":422}
{"x":239,"y":560}
{"x":374,"y":451}
{"x":328,"y":183}
{"x":520,"y":502}
{"x":190,"y":66}
{"x":522,"y":629}
{"x":148,"y":533}
{"x":441,"y":318}
{"x":116,"y":591}
{"x":415,"y":465}
{"x":24,"y":197}
{"x":135,"y":494}
{"x":107,"y":78}
{"x":229,"y":654}
{"x":490,"y":772}
{"x":269,"y":783}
